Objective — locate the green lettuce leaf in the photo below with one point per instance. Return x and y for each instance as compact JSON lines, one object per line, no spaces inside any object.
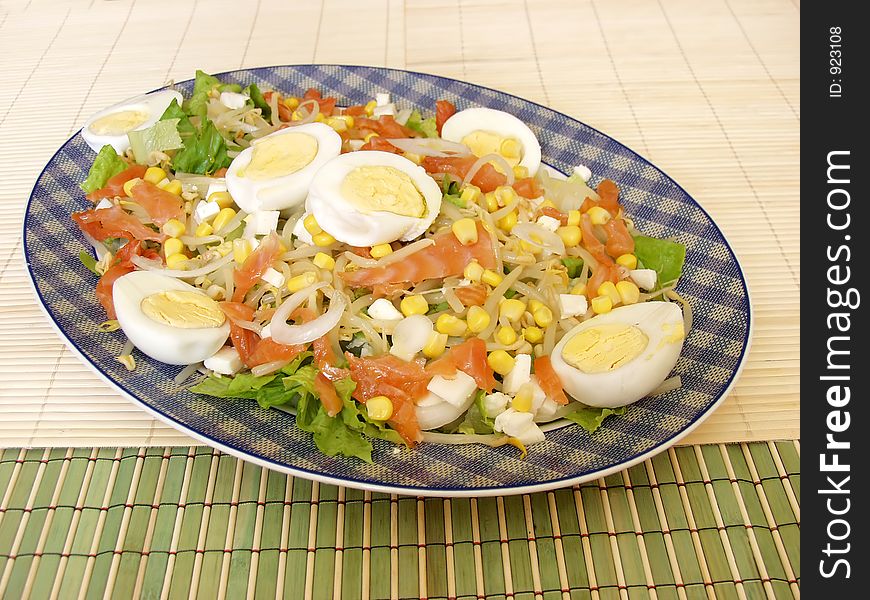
{"x":590,"y":418}
{"x":161,"y":136}
{"x":663,"y":256}
{"x":574,"y":266}
{"x":476,"y":419}
{"x":259,"y":101}
{"x":106,"y":165}
{"x":203,"y":84}
{"x":184,"y":126}
{"x":420,"y":125}
{"x":203,"y":153}
{"x":89,"y":262}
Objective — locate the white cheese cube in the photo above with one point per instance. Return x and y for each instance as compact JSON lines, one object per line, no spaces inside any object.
{"x":549,"y":223}
{"x":384,"y":310}
{"x":456,"y":390}
{"x":519,"y":425}
{"x":494,"y":404}
{"x":205,"y":211}
{"x":262,"y":222}
{"x":300,"y":232}
{"x":583,"y":171}
{"x":573,"y":305}
{"x":273,"y":277}
{"x":215,"y":187}
{"x":233,"y":100}
{"x":539,"y":396}
{"x":387,"y":109}
{"x":547,"y":411}
{"x":225,"y":361}
{"x":644,"y":278}
{"x":382,"y":99}
{"x":519,"y":375}
{"x":104,"y":203}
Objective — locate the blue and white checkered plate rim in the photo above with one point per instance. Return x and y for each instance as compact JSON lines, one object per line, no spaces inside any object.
{"x":712,"y":282}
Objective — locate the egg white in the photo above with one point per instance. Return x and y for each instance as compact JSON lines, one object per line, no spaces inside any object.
{"x":636,"y":378}
{"x":171,"y":345}
{"x":495,"y":121}
{"x":346,"y":223}
{"x":286,"y":191}
{"x":153,"y":104}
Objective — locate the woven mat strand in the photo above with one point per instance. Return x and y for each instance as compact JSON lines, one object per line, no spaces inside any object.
{"x":707,"y":91}
{"x":708,"y":521}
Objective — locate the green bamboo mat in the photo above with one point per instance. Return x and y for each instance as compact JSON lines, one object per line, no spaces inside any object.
{"x":709,"y":521}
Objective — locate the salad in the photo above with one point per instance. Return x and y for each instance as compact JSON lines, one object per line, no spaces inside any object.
{"x":379,"y":271}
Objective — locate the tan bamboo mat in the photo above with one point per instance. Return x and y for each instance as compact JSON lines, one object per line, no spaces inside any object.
{"x":702,"y":522}
{"x":708,"y":91}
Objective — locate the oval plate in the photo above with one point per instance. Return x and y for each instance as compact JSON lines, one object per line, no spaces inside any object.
{"x":713,"y":283}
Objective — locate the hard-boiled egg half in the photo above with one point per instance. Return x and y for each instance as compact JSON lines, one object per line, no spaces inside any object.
{"x":490,"y":131}
{"x":167,"y":319}
{"x":275,"y":171}
{"x":372,"y":197}
{"x":619,"y":357}
{"x":111,"y":126}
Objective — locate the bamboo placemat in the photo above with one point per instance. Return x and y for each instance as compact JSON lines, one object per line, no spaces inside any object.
{"x":707,"y":91}
{"x":709,"y":522}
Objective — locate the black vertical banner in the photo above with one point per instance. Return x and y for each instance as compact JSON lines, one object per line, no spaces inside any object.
{"x":835,"y":360}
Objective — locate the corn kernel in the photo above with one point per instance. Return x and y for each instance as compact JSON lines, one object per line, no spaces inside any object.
{"x":543,"y":316}
{"x":172,"y":246}
{"x":598,"y":215}
{"x":579,"y":289}
{"x":535,"y":305}
{"x":174,"y":228}
{"x":547,"y":204}
{"x":337,"y":124}
{"x":324,"y":261}
{"x":295,"y":116}
{"x":470,"y":194}
{"x":436,"y":345}
{"x":533,"y":334}
{"x":629,"y":261}
{"x":478,"y":319}
{"x":128,"y":186}
{"x":223,"y":218}
{"x":601,"y":305}
{"x":291,"y":102}
{"x":379,"y":408}
{"x":573,"y":217}
{"x":500,"y":361}
{"x":521,"y":172}
{"x":370,"y":108}
{"x":510,"y":148}
{"x":522,"y":402}
{"x":608,"y":289}
{"x":154,"y":175}
{"x":204,"y":229}
{"x":241,"y":250}
{"x":381,"y":250}
{"x":506,"y":335}
{"x":473,"y":271}
{"x":223,"y":199}
{"x":176,"y":261}
{"x":300,"y":282}
{"x":491,"y":202}
{"x":509,"y":221}
{"x":348,"y":120}
{"x":323,"y":239}
{"x":311,"y":226}
{"x":490,"y":277}
{"x":512,"y":309}
{"x":224,"y":248}
{"x":505,"y":194}
{"x":571,"y":235}
{"x":414,"y":158}
{"x":369,"y":137}
{"x":173,"y":187}
{"x":628,"y":292}
{"x":320,"y":118}
{"x":450,"y":325}
{"x":414,"y":305}
{"x":465,"y":231}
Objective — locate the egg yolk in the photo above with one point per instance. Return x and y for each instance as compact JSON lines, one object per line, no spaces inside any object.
{"x":386,"y":189}
{"x":280,"y":155}
{"x":604,"y":348}
{"x":183,"y":309}
{"x":119,"y":123}
{"x":485,"y":142}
